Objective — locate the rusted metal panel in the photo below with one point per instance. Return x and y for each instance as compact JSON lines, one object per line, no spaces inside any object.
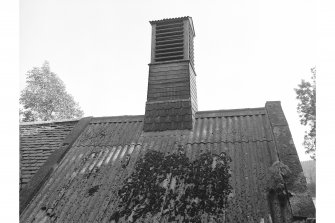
{"x":85,"y":186}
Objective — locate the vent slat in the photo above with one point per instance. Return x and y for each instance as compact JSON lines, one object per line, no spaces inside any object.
{"x":168,"y":34}
{"x":177,"y":57}
{"x":179,"y":53}
{"x":167,"y":25}
{"x":169,"y":38}
{"x":177,"y":40}
{"x":169,"y":53}
{"x":169,"y":49}
{"x":176,"y":29}
{"x":168,"y":45}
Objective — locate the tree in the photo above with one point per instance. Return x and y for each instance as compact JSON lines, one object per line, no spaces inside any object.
{"x":45,"y":97}
{"x":306,"y":95}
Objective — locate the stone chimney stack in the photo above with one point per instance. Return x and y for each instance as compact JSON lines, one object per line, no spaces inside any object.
{"x":172,"y":96}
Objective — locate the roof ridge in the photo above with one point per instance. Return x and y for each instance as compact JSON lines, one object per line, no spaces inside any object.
{"x":233,"y":109}
{"x":230,"y":112}
{"x":49,"y":122}
{"x":125,"y":118}
{"x":121,"y":118}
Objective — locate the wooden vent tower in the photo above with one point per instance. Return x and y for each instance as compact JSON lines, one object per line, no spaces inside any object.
{"x":172,"y":98}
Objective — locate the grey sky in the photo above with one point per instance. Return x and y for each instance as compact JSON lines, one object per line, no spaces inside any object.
{"x":246,"y":52}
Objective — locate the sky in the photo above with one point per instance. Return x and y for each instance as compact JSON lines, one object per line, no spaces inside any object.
{"x":246,"y":52}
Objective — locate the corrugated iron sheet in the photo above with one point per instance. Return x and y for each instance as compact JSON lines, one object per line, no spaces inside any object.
{"x":83,"y":188}
{"x":170,"y":19}
{"x":37,"y":142}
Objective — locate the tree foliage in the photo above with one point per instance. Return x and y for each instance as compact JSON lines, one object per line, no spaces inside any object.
{"x":45,"y":98}
{"x":306,"y":95}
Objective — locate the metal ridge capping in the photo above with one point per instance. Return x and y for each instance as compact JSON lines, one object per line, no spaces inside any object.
{"x":29,"y":191}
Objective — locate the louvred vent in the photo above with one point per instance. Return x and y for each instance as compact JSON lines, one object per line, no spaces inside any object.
{"x":169,"y":42}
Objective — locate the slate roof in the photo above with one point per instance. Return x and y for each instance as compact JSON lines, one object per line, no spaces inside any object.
{"x":88,"y":184}
{"x":37,"y":142}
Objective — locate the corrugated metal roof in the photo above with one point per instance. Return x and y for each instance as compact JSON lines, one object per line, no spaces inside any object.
{"x":37,"y":142}
{"x":170,"y":19}
{"x":85,"y":185}
{"x":165,"y":20}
